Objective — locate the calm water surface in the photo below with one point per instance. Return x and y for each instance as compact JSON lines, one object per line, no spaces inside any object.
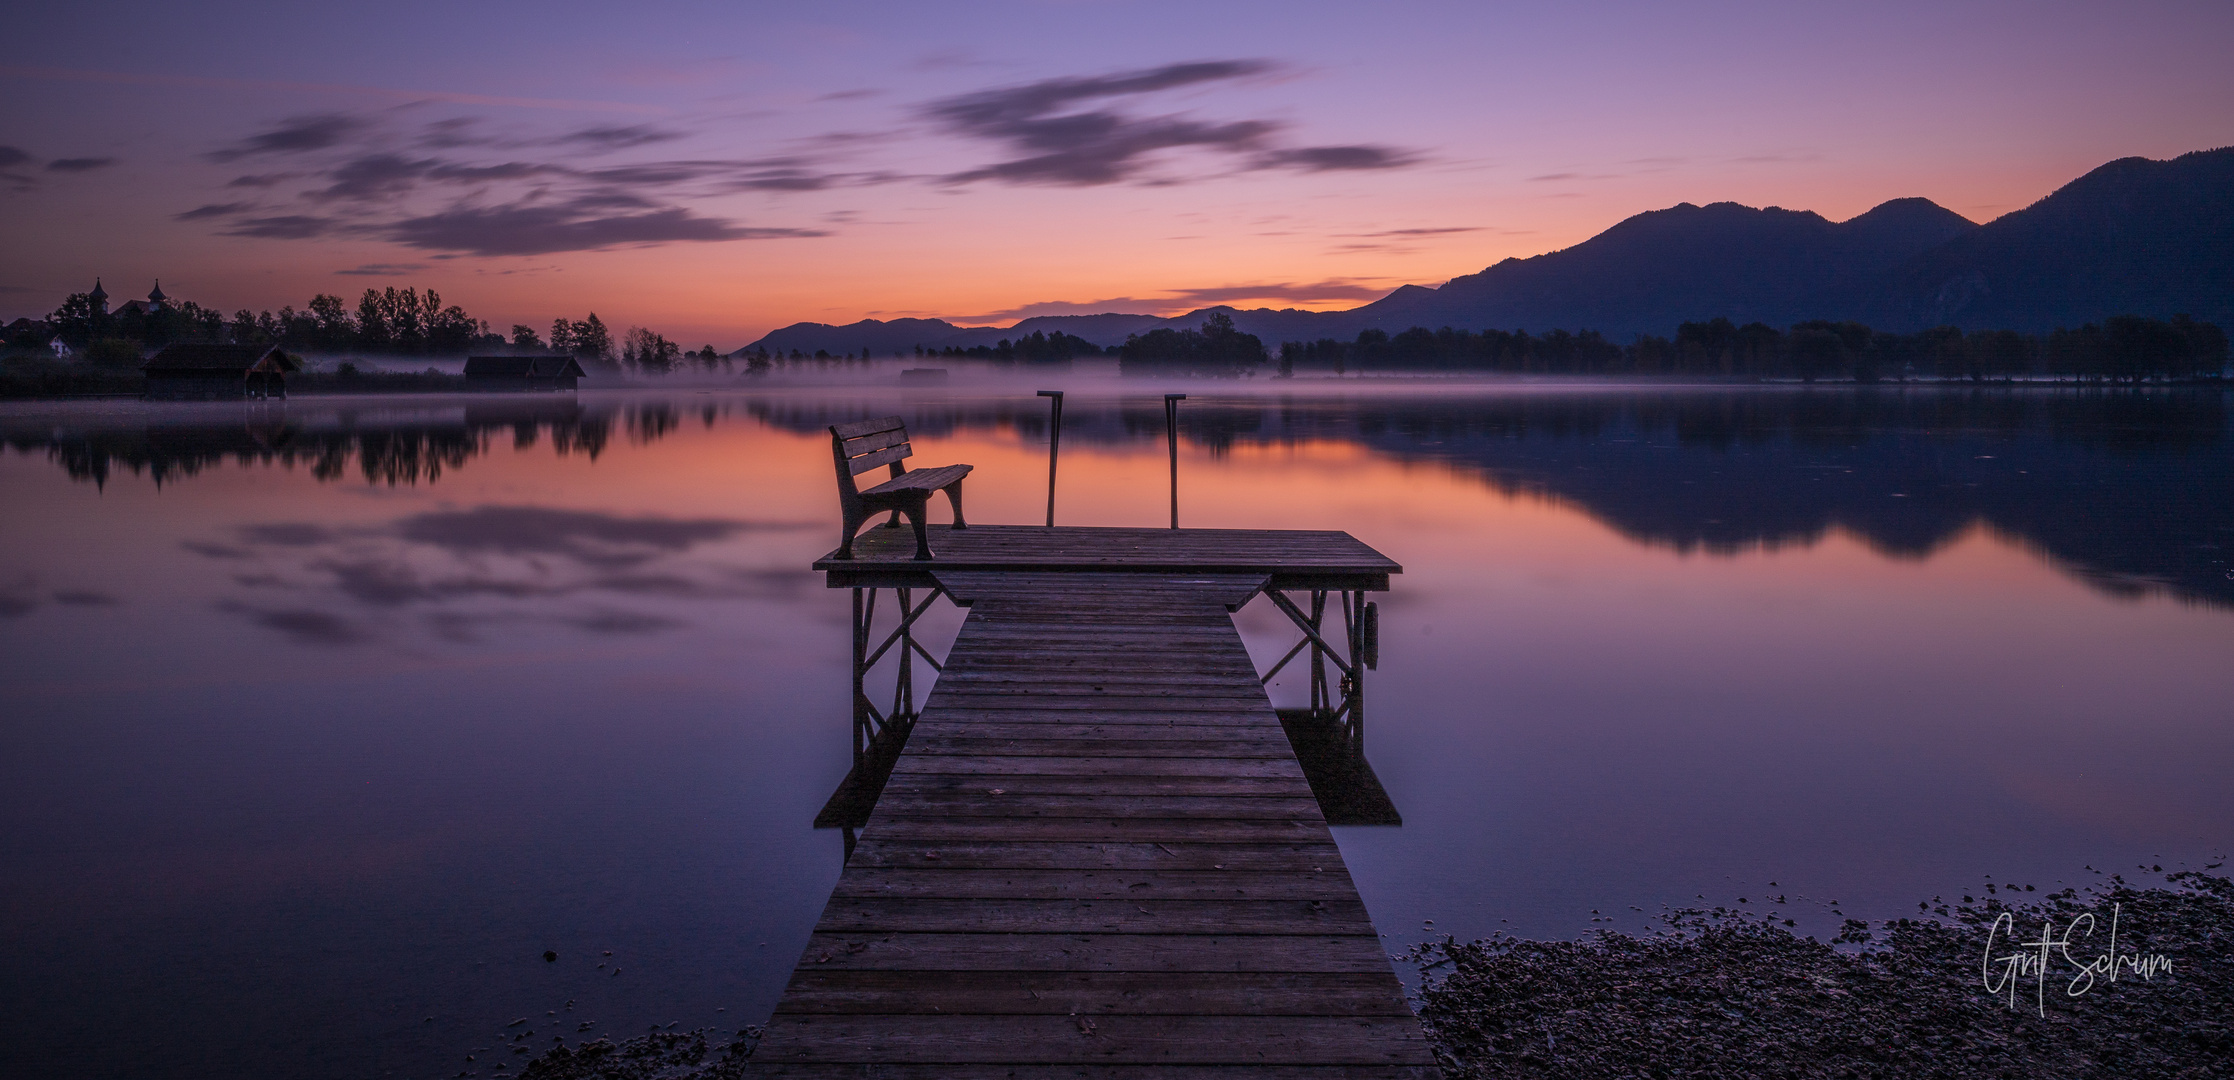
{"x":324,"y":720}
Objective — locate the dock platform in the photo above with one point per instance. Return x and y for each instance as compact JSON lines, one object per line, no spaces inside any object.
{"x":1096,"y":854}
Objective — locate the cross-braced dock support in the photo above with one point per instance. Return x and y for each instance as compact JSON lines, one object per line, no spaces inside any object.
{"x":1336,"y":673}
{"x":871,"y":725}
{"x":879,"y":734}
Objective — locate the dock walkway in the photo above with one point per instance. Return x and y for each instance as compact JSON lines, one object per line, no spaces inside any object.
{"x":1096,"y":856}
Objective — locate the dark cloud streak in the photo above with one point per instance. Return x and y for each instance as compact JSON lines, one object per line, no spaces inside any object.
{"x":525,"y":229}
{"x":1105,"y":146}
{"x":294,"y":136}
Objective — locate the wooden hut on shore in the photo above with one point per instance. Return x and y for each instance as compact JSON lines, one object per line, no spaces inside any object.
{"x":200,"y":371}
{"x":515,"y":373}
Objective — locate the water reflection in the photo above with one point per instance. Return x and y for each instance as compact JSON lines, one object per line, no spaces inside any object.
{"x":2131,"y":490}
{"x":328,"y":718}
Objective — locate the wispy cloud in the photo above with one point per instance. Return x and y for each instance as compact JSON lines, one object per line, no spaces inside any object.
{"x":1183,"y":300}
{"x":213,"y":210}
{"x":523,"y":229}
{"x":620,"y":138}
{"x":148,"y":78}
{"x":283,"y":227}
{"x":295,"y":135}
{"x":383,"y":270}
{"x":1059,"y":138}
{"x":79,"y":164}
{"x":13,"y":159}
{"x":1442,"y":231}
{"x":366,"y":178}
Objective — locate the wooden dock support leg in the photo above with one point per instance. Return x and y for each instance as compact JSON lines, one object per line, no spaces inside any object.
{"x":903,"y":686}
{"x":862,"y":612}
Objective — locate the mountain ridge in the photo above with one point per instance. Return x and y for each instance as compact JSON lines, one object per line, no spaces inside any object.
{"x":2133,"y":236}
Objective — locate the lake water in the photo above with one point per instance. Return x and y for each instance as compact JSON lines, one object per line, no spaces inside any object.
{"x":325,"y":719}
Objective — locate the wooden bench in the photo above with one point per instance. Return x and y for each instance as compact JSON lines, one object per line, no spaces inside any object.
{"x":862,"y":446}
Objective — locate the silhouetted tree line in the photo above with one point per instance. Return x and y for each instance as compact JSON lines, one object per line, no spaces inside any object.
{"x":398,"y":321}
{"x":2126,"y":348}
{"x":1217,"y":349}
{"x":384,"y":321}
{"x":1039,"y":348}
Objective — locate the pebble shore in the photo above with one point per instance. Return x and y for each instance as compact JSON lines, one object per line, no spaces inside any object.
{"x":1730,"y":993}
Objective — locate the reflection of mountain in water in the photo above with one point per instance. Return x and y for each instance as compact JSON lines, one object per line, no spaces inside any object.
{"x":2132,"y":490}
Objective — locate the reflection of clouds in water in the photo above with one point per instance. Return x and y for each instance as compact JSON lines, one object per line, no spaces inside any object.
{"x":593,"y":538}
{"x":215,"y":551}
{"x":492,"y":553}
{"x":288,"y":534}
{"x":624,"y":622}
{"x":389,"y":584}
{"x":302,"y":625}
{"x":22,"y":597}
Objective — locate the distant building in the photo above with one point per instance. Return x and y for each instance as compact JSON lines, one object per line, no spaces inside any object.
{"x":200,"y":372}
{"x":501,"y":373}
{"x":99,"y":297}
{"x":155,"y":301}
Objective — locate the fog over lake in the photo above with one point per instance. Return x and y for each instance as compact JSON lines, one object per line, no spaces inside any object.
{"x":325,"y":718}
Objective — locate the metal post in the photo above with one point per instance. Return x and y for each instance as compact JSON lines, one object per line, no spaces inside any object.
{"x":1054,"y":445}
{"x":1171,"y":433}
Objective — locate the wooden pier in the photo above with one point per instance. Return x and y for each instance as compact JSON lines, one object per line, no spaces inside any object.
{"x":1096,"y":854}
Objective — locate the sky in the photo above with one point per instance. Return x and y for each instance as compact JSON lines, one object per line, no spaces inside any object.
{"x":712,"y":171}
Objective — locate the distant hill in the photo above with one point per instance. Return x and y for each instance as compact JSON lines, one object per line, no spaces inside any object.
{"x":2133,"y":237}
{"x":1662,"y":267}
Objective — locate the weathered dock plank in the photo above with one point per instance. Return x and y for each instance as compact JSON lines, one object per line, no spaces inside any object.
{"x":1097,"y":855}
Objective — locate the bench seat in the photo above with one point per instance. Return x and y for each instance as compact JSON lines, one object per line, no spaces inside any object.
{"x":920,"y":480}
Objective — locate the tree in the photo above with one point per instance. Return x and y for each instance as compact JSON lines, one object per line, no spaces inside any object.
{"x":523,"y":337}
{"x":113,"y":354}
{"x":335,"y":329}
{"x":649,"y":352}
{"x":77,"y":321}
{"x":1216,"y":349}
{"x":1814,"y":350}
{"x":587,"y":340}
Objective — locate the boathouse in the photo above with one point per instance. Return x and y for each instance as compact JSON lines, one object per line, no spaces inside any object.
{"x":200,"y":371}
{"x":496,"y":373}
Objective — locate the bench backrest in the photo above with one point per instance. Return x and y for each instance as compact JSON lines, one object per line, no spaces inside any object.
{"x":866,"y":444}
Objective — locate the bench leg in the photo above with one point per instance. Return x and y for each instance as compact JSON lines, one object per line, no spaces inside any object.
{"x":917,"y":514}
{"x":845,"y":539}
{"x":894,"y":521}
{"x":954,"y":496}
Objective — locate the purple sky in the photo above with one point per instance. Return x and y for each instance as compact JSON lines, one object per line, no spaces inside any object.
{"x":714,"y":170}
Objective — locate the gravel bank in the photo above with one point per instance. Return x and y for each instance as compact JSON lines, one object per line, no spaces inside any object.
{"x":1729,"y":993}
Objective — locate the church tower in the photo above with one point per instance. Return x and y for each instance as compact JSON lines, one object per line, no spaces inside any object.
{"x":100,"y":298}
{"x":155,"y":299}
